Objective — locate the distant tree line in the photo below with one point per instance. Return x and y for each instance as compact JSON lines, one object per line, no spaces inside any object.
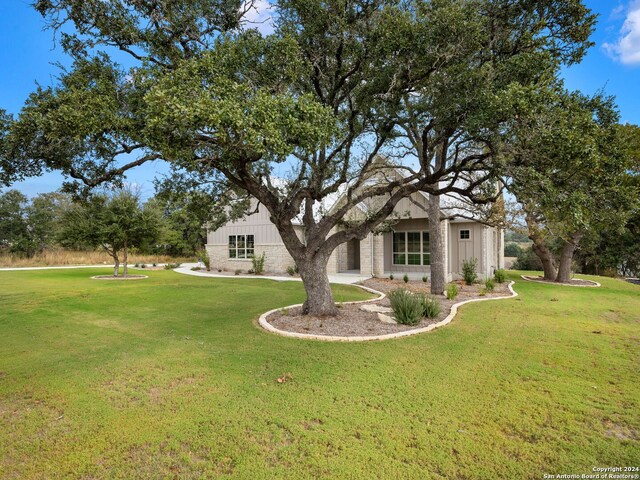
{"x":105,"y":220}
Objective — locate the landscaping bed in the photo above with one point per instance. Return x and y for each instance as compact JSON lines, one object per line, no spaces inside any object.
{"x":352,"y":320}
{"x":574,"y":282}
{"x":119,"y":277}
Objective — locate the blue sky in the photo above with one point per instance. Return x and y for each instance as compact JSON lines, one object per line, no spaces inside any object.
{"x":28,"y":53}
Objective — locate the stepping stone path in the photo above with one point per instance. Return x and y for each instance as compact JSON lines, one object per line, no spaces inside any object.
{"x":375,"y":308}
{"x":386,"y":318}
{"x":381,"y":311}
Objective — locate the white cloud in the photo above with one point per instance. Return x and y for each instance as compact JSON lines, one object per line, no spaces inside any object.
{"x":259,"y":16}
{"x":618,"y":12}
{"x":627,"y":48}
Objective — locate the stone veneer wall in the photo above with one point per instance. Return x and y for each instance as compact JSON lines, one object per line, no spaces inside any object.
{"x":377,"y":269}
{"x":276,"y":260}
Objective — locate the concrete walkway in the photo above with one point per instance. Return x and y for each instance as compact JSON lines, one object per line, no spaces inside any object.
{"x":17,"y":269}
{"x":342,"y":278}
{"x":185,"y":268}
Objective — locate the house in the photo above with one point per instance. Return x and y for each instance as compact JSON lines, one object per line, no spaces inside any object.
{"x":404,"y":248}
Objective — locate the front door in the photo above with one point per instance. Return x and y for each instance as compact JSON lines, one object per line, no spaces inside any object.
{"x":353,"y":254}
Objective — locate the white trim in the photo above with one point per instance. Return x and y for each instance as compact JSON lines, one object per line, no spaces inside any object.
{"x":262,"y":321}
{"x":469,"y":239}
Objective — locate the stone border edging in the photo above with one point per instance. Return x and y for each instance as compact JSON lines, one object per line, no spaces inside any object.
{"x":595,"y":284}
{"x":111,"y":277}
{"x":262,"y":321}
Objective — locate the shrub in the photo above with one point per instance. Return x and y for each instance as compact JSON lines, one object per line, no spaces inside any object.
{"x":470,"y":271}
{"x":257,"y":263}
{"x":237,"y":271}
{"x":136,"y":265}
{"x":430,"y":306}
{"x":206,"y":260}
{"x":489,"y":284}
{"x":527,"y":260}
{"x":405,"y":278}
{"x":406,"y":306}
{"x":154,"y":264}
{"x":500,"y":276}
{"x":291,"y":271}
{"x":391,"y":277}
{"x":483,"y":292}
{"x":295,"y":268}
{"x":170,"y":266}
{"x":425,"y":279}
{"x":512,"y":250}
{"x":143,"y":266}
{"x":452,"y":291}
{"x":195,"y":269}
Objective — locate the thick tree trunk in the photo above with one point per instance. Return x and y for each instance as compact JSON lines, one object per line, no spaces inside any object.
{"x":540,"y":248}
{"x":548,"y":262}
{"x":566,"y":258}
{"x":316,"y":283}
{"x":436,"y":246}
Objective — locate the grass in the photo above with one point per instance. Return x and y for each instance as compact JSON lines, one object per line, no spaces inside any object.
{"x":169,"y":378}
{"x":61,"y":257}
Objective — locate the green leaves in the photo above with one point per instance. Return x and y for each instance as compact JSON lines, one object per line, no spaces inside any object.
{"x":113,"y":221}
{"x":568,"y":166}
{"x":237,"y":102}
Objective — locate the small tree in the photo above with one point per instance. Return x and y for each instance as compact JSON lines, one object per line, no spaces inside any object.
{"x":13,"y":225}
{"x":115,"y":222}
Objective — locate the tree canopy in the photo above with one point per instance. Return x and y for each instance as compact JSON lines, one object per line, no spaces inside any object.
{"x":315,"y":103}
{"x":568,"y":170}
{"x":115,"y":222}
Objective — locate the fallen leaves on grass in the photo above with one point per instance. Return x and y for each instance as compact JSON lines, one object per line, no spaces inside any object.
{"x":284,"y":378}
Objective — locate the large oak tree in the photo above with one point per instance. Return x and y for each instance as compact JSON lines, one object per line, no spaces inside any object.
{"x":314,"y":103}
{"x":568,"y":170}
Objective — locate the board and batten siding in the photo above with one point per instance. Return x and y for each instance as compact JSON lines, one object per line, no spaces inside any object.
{"x":407,"y":208}
{"x":461,"y":250}
{"x":266,"y":238}
{"x":258,"y":224}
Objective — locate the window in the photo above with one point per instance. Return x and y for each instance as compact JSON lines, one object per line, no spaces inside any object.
{"x":241,"y":246}
{"x":411,"y":248}
{"x":465,"y":234}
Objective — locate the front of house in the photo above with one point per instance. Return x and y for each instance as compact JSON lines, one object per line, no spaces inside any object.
{"x":402,"y":249}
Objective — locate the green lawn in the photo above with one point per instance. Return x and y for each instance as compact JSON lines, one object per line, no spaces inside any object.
{"x":170,"y":378}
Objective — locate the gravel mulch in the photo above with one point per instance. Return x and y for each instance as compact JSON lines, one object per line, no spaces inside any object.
{"x":577,"y":282}
{"x":351,"y":321}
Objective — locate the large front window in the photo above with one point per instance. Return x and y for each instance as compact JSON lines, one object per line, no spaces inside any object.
{"x":411,"y":248}
{"x":241,"y":246}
